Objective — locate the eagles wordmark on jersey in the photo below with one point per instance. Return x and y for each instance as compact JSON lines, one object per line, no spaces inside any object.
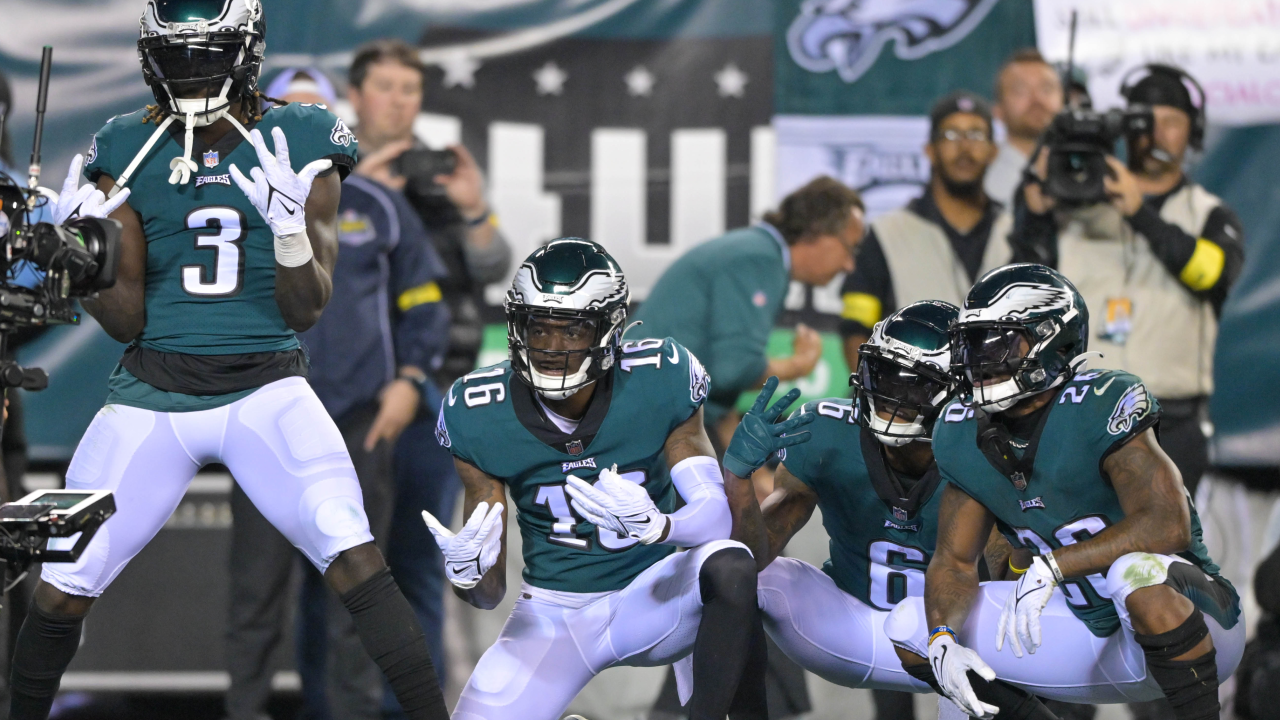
{"x":494,"y":423}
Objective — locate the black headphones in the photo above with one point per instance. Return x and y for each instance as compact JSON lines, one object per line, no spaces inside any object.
{"x":1128,"y":83}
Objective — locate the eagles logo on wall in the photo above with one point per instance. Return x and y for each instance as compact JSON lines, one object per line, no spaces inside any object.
{"x":847,"y":36}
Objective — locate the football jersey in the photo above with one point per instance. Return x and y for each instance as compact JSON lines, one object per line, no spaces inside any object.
{"x":493,"y":421}
{"x":880,"y":542}
{"x":211,"y":264}
{"x":1066,"y":497}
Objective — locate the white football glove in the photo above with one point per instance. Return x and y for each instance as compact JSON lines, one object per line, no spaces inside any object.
{"x":618,"y":505}
{"x":277,"y":191}
{"x":78,"y":200}
{"x":1020,"y":619}
{"x":951,"y":664}
{"x":473,"y":551}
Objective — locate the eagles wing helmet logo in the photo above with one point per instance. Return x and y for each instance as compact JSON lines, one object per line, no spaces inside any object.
{"x":1020,"y":300}
{"x":848,"y":35}
{"x":1132,"y":407}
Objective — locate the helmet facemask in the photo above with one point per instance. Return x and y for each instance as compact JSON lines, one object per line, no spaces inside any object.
{"x":199,"y":77}
{"x":898,"y":398}
{"x":560,"y":351}
{"x":1002,"y":362}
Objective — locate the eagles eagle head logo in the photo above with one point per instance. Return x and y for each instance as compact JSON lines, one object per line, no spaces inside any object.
{"x":1019,"y":301}
{"x":848,"y":35}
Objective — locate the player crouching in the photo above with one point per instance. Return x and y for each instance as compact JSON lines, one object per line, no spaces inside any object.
{"x":869,"y":467}
{"x":1067,"y":464}
{"x":593,"y":438}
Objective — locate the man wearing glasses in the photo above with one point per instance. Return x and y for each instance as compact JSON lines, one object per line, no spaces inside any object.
{"x":941,"y":242}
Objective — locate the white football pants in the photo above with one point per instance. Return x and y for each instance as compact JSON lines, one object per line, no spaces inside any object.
{"x":1072,"y":664}
{"x":280,"y":444}
{"x":827,"y":631}
{"x":555,"y":642}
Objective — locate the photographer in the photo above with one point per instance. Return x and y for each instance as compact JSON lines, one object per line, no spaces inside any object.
{"x":1155,"y":259}
{"x":446,"y":189}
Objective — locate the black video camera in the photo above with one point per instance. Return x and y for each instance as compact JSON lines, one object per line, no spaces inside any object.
{"x":44,"y":268}
{"x":51,"y":526}
{"x":1079,"y":142}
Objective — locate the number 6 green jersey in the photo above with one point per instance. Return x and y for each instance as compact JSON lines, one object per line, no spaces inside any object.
{"x":493,"y":421}
{"x":1066,"y":498}
{"x":211,"y":267}
{"x":880,"y":542}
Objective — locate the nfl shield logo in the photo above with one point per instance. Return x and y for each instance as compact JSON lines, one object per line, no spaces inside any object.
{"x":211,"y":159}
{"x":1019,"y":480}
{"x":574,"y":448}
{"x":899,"y":514}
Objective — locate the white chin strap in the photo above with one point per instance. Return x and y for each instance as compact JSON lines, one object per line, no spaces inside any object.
{"x":195,"y":113}
{"x":559,"y":387}
{"x":999,"y":397}
{"x":902,"y":432}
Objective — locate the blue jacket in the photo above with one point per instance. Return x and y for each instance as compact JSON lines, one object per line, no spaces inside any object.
{"x":386,"y":309}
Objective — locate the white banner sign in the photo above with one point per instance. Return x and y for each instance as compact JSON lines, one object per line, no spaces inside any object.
{"x":880,"y":156}
{"x":1232,"y":47}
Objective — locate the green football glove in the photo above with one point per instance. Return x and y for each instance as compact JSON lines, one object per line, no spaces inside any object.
{"x":758,"y":436}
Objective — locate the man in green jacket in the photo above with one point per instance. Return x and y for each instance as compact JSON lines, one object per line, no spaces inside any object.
{"x":721,"y":298}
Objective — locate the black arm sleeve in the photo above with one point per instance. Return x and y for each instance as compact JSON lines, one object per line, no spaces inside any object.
{"x":1034,"y":238}
{"x":1174,"y":247}
{"x":869,"y":277}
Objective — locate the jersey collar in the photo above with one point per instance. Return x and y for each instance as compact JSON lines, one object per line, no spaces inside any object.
{"x":531,"y":416}
{"x":995,"y":443}
{"x":887,"y":486}
{"x":782,"y":242}
{"x":224,"y":146}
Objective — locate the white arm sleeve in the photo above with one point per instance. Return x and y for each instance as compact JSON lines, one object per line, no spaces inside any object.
{"x":705,"y":516}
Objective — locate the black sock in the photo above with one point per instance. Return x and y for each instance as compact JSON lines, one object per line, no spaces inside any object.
{"x":391,"y":635}
{"x":893,"y":705}
{"x":751,"y":701}
{"x":45,"y":646}
{"x":1014,"y":702}
{"x":1191,"y":686}
{"x":728,"y":585}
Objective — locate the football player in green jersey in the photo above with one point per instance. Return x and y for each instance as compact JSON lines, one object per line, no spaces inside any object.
{"x":870,"y":469}
{"x":217,"y":273}
{"x":1066,"y":463}
{"x":593,"y":438}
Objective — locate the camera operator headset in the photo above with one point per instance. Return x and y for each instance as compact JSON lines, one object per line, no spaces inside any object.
{"x":1155,"y":263}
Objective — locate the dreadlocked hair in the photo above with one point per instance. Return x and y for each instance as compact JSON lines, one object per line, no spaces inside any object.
{"x":263,"y":96}
{"x":155,"y":114}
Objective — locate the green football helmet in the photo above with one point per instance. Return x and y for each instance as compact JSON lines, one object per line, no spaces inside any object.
{"x":566,"y":311}
{"x":903,"y":378}
{"x":1020,"y":332}
{"x":200,"y":56}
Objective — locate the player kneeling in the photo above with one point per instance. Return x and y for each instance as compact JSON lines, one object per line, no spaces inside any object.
{"x":870,"y":468}
{"x":1067,"y":464}
{"x":604,"y":584}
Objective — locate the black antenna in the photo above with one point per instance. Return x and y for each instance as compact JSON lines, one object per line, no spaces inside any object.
{"x":1071,"y":63}
{"x":42,"y":100}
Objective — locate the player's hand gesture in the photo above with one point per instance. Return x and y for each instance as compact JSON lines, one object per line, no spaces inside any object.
{"x":951,"y":664}
{"x":276,"y":190}
{"x":617,"y":504}
{"x":758,"y":435}
{"x":1020,"y":619}
{"x":474,"y":550}
{"x":78,"y":200}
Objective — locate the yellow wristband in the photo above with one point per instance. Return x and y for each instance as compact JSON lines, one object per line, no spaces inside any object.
{"x":1016,"y":570}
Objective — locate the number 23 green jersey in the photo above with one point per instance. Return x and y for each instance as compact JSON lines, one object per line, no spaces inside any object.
{"x":492,"y":420}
